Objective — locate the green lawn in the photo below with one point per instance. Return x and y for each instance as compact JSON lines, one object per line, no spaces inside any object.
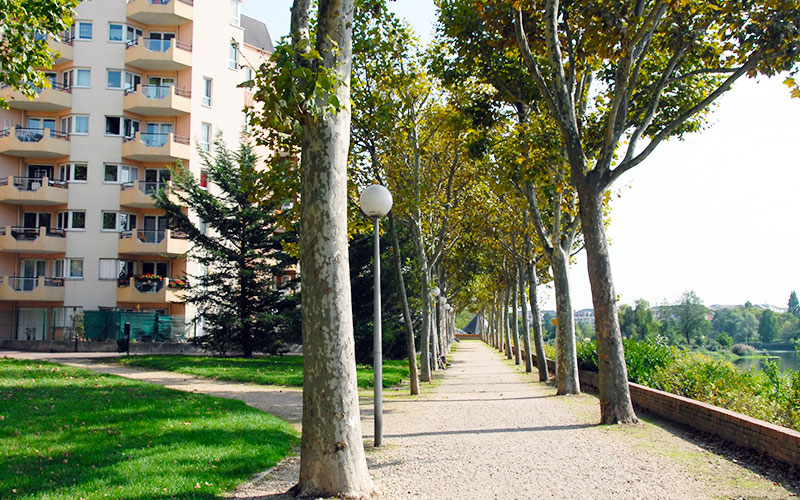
{"x":271,"y":370}
{"x":67,"y":433}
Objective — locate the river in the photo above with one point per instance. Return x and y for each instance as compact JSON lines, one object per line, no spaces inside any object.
{"x":787,"y":360}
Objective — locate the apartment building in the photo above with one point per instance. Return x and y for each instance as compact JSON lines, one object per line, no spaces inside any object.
{"x":138,"y":86}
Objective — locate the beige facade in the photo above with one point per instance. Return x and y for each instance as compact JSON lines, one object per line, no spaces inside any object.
{"x":138,"y":86}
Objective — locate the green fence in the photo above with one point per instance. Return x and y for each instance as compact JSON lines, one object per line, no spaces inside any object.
{"x":145,"y":326}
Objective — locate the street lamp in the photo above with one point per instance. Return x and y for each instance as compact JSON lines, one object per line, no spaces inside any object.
{"x":435,"y":292}
{"x":376,"y":201}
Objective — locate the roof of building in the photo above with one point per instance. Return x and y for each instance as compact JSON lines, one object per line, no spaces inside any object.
{"x":256,"y":34}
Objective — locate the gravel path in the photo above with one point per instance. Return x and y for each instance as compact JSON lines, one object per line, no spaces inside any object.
{"x":489,"y":431}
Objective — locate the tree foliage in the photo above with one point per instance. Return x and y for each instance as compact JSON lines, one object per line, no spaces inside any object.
{"x":25,"y":26}
{"x":239,"y":242}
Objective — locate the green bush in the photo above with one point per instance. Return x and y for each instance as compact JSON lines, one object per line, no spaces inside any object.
{"x":642,"y":358}
{"x":743,"y":349}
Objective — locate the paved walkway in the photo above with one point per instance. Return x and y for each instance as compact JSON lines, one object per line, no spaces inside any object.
{"x":490,"y":431}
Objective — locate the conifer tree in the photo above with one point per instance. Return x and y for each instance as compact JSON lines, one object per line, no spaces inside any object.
{"x":238,"y":235}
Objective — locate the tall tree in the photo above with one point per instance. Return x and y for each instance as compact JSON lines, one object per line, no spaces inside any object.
{"x":650,"y":69}
{"x":240,"y":244}
{"x":690,"y":316}
{"x":794,"y":304}
{"x":304,"y":92}
{"x":25,"y":26}
{"x":768,"y":328}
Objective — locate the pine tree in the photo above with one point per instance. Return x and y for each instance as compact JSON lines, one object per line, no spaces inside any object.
{"x":794,"y":305}
{"x":238,"y":237}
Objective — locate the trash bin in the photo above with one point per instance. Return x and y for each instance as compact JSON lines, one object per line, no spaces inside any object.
{"x":122,"y":345}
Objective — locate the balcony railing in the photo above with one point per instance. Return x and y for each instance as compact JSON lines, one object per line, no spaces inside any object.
{"x":32,"y":183}
{"x":21,"y":233}
{"x":33,"y":134}
{"x":28,"y":284}
{"x":159,"y":92}
{"x":63,"y":37}
{"x":146,"y":187}
{"x":165,"y":2}
{"x":158,"y":140}
{"x":159,"y":44}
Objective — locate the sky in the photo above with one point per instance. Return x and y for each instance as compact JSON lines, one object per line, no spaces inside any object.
{"x":716,"y":213}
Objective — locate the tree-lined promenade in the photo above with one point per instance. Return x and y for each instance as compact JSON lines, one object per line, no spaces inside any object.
{"x":500,"y":142}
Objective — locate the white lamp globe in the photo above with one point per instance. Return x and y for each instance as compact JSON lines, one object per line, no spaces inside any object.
{"x":376,"y":201}
{"x":435,"y":292}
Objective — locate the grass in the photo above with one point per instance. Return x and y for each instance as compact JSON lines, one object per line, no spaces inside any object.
{"x":67,"y":433}
{"x":270,"y":370}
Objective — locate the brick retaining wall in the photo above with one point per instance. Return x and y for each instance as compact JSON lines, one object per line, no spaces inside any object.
{"x":776,"y":441}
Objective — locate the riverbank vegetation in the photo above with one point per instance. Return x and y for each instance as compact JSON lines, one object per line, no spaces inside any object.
{"x":767,"y":394}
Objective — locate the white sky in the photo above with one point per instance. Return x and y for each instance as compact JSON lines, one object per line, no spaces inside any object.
{"x":716,"y":213}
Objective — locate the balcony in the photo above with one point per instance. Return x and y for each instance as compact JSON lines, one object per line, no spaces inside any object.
{"x":34,"y":142}
{"x":153,"y":242}
{"x":62,"y":47}
{"x":168,"y":148}
{"x":56,"y":98}
{"x":151,"y":100}
{"x":159,"y":55}
{"x":160,"y":12}
{"x":139,"y":194}
{"x":39,"y":289}
{"x":33,"y":191}
{"x":32,"y":240}
{"x":143,"y":290}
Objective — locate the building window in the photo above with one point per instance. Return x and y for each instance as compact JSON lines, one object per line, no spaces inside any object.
{"x":71,"y":220}
{"x":233,"y":62}
{"x":205,"y":136}
{"x":204,"y":179}
{"x":118,"y":221}
{"x":75,"y":268}
{"x":132,"y":35}
{"x":206,"y":91}
{"x":114,"y":79}
{"x":81,"y":125}
{"x":73,"y":172}
{"x":58,"y":268}
{"x":109,"y":269}
{"x":120,"y":173}
{"x":83,"y":78}
{"x":113,"y":126}
{"x":235,"y":13}
{"x":248,"y":78}
{"x":84,"y":30}
{"x":115,"y":32}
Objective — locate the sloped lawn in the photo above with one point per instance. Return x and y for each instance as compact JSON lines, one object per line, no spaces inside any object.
{"x":67,"y":433}
{"x":270,"y":370}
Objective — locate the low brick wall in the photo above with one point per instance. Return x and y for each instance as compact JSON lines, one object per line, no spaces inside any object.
{"x":467,"y":336}
{"x":99,"y":346}
{"x":776,"y":441}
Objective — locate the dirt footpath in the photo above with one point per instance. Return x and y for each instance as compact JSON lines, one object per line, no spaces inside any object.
{"x":490,"y":431}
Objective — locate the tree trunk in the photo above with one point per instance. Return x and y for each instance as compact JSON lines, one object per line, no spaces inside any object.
{"x":566,"y":355}
{"x":506,"y":327}
{"x":411,"y":350}
{"x":332,"y":460}
{"x":615,"y":399}
{"x":538,"y":339}
{"x":425,"y":356}
{"x":526,"y":334}
{"x":514,"y":319}
{"x":434,"y":338}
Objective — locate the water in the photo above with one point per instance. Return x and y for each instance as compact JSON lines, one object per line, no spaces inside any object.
{"x":787,"y":360}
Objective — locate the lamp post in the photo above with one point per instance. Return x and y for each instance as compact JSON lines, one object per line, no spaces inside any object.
{"x":376,"y":201}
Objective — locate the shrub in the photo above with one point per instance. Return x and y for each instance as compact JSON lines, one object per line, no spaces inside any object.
{"x":724,"y":339}
{"x":743,"y":349}
{"x":642,"y":358}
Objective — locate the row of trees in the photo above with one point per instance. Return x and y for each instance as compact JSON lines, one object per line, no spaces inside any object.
{"x":500,"y":144}
{"x":549,"y":104}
